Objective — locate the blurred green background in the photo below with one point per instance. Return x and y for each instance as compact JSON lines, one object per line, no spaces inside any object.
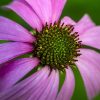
{"x":75,"y":9}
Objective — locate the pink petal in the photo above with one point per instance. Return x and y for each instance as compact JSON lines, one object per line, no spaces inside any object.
{"x":57,"y":6}
{"x":91,"y":37}
{"x":12,"y":72}
{"x":50,"y":92}
{"x":89,"y":67}
{"x":68,"y":21}
{"x":11,"y":50}
{"x":10,"y":30}
{"x":84,"y":24}
{"x":26,"y":13}
{"x":54,"y":89}
{"x":42,"y":8}
{"x":68,"y":86}
{"x":43,"y":91}
{"x":35,"y":87}
{"x":26,"y":88}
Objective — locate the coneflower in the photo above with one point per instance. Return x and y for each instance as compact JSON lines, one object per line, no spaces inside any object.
{"x":57,"y":46}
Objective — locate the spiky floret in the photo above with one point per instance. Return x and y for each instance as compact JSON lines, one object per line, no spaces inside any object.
{"x":57,"y":46}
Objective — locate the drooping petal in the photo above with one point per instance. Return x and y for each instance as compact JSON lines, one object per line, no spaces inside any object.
{"x":42,"y":8}
{"x":68,"y":86}
{"x":12,"y":72}
{"x":26,"y":13}
{"x":91,"y":37}
{"x":84,"y":24}
{"x":68,"y":21}
{"x":11,"y":50}
{"x":50,"y":92}
{"x":43,"y":91}
{"x":89,"y":67}
{"x":12,"y":31}
{"x":57,"y":6}
{"x":26,"y":88}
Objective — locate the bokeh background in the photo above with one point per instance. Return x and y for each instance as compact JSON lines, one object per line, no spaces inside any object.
{"x":75,"y":9}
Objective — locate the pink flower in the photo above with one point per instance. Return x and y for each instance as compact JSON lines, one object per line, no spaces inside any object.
{"x":59,"y":44}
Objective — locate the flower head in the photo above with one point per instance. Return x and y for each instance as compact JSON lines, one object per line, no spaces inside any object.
{"x":57,"y":46}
